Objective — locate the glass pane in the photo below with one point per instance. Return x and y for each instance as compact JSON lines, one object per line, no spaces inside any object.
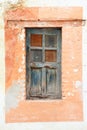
{"x":36,"y":40}
{"x":36,"y":55}
{"x":50,"y":56}
{"x":51,"y":80}
{"x":36,"y":81}
{"x":50,"y":40}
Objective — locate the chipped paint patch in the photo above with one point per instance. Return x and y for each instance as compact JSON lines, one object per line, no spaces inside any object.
{"x":12,"y":4}
{"x":23,"y":60}
{"x":20,"y":70}
{"x":75,"y":70}
{"x":78,"y":84}
{"x":73,"y":57}
{"x":21,"y":35}
{"x":15,"y":94}
{"x":69,"y":94}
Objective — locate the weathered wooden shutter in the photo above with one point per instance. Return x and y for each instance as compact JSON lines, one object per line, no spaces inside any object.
{"x":43,"y":63}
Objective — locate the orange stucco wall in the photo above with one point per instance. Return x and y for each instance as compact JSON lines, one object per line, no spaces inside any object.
{"x":70,"y":107}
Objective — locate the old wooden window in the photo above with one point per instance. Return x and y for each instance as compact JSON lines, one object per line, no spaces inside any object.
{"x":43,"y":63}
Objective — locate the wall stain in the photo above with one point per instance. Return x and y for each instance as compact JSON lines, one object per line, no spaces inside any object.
{"x":15,"y":94}
{"x":13,"y":4}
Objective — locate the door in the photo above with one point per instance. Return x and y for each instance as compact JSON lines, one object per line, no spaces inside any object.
{"x":43,"y":63}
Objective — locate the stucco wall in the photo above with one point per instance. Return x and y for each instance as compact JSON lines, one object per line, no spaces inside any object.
{"x":42,"y":126}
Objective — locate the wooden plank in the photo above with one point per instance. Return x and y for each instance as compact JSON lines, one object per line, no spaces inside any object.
{"x":46,"y":48}
{"x":50,"y":31}
{"x":40,"y":48}
{"x":51,"y":81}
{"x":43,"y":82}
{"x":58,"y":82}
{"x":40,"y":65}
{"x":36,"y":82}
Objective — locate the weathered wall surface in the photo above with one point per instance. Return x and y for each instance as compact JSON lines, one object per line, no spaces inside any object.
{"x":32,"y":126}
{"x":17,"y":107}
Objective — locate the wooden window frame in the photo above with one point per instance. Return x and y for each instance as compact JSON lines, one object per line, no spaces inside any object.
{"x":44,"y":65}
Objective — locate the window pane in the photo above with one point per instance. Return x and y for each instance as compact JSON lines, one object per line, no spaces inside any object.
{"x":36,"y":81}
{"x":50,"y":56}
{"x":36,"y":40}
{"x":36,"y":55}
{"x":50,"y":40}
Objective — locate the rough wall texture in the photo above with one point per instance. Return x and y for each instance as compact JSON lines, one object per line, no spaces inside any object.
{"x":42,"y":126}
{"x":18,"y":108}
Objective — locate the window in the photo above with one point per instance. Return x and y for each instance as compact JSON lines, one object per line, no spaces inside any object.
{"x":43,"y":63}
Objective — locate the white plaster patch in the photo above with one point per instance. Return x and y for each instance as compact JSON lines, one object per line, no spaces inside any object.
{"x":23,"y":45}
{"x":75,"y":70}
{"x":78,"y":84}
{"x":14,"y":95}
{"x":12,"y":1}
{"x":23,"y":60}
{"x":23,"y":48}
{"x":72,"y":57}
{"x":23,"y":57}
{"x":21,"y":35}
{"x":20,"y":70}
{"x":69,"y":94}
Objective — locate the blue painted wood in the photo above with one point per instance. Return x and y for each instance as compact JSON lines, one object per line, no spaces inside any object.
{"x":36,"y":82}
{"x":43,"y":77}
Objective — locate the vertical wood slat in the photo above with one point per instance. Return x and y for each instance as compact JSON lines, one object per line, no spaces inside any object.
{"x":43,"y":82}
{"x":51,"y":81}
{"x":36,"y":82}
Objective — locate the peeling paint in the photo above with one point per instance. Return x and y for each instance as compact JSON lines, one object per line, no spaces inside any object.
{"x":15,"y":94}
{"x":12,"y":4}
{"x":21,"y":35}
